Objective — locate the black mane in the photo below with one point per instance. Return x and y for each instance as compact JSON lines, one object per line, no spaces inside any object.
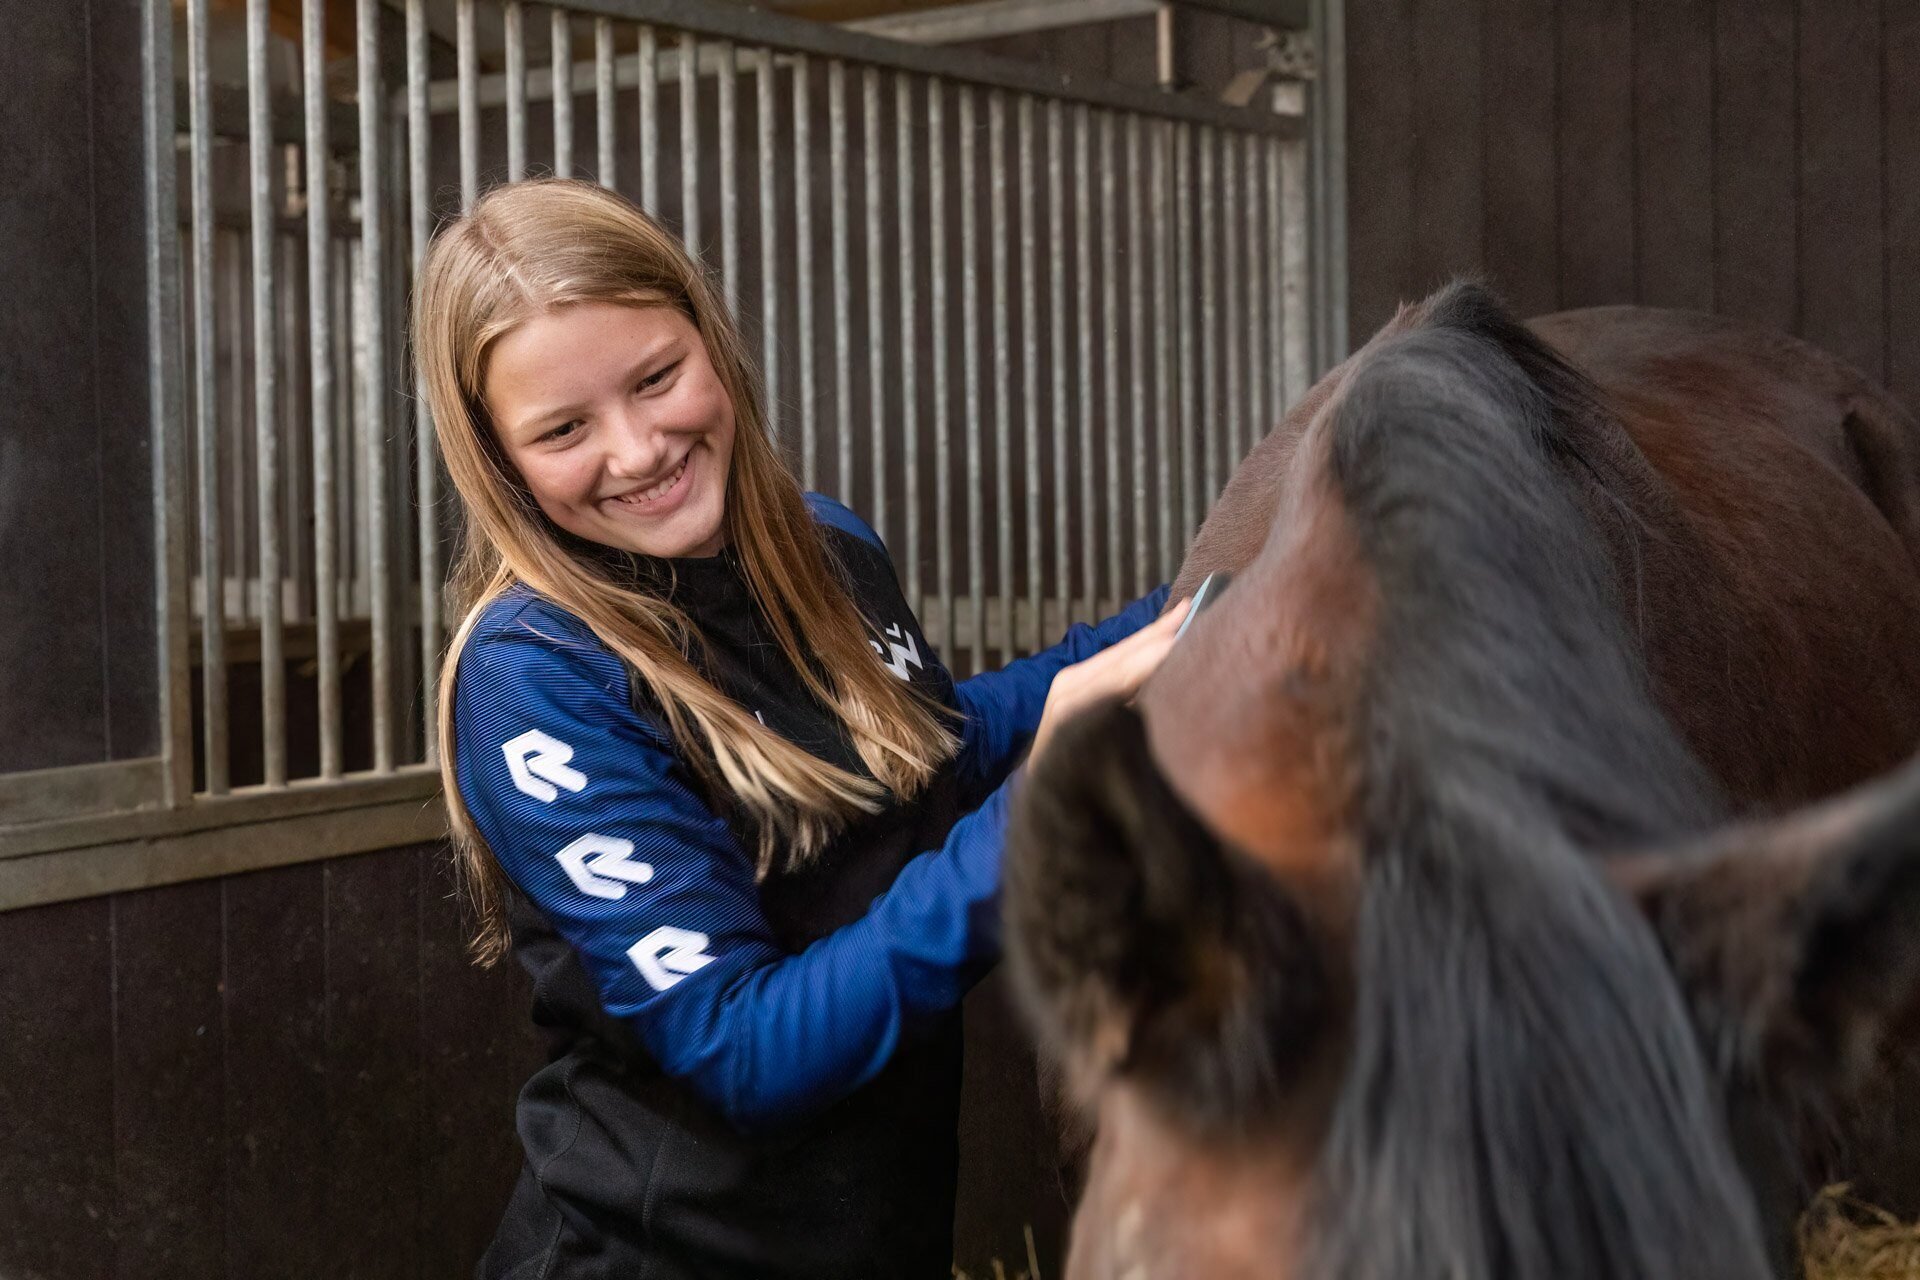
{"x":1526,"y":1096}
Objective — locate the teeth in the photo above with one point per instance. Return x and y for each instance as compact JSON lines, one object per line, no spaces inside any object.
{"x":658,"y":490}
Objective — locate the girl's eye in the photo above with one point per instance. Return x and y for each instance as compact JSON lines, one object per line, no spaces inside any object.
{"x":656,"y":378}
{"x":564,"y":431}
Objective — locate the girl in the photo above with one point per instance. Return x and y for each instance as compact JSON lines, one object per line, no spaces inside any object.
{"x":706,"y":778}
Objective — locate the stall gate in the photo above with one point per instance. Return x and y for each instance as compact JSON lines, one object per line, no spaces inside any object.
{"x":1023,"y":322}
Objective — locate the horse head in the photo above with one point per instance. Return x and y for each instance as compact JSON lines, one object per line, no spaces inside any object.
{"x":1396,"y":931}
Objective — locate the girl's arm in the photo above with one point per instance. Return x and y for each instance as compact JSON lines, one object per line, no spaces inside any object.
{"x":1003,"y":707}
{"x":588,"y":810}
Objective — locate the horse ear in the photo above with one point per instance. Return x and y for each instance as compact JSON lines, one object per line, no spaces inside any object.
{"x":1143,"y":948}
{"x":1797,"y":940}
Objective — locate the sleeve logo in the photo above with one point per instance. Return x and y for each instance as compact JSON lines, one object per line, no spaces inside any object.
{"x":905,"y":653}
{"x":603,"y":866}
{"x":538,"y":763}
{"x":668,"y":954}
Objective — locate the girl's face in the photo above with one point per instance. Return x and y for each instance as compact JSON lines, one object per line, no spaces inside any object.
{"x":617,"y":422}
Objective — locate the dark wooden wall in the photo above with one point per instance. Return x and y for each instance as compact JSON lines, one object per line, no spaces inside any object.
{"x":290,"y":1073}
{"x":77,"y":681}
{"x":1759,"y":158}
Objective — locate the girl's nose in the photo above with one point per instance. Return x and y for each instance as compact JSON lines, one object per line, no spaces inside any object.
{"x":637,"y":449}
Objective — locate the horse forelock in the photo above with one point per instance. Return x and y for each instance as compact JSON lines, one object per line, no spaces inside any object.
{"x":1525,"y":1095}
{"x":1458,"y":449}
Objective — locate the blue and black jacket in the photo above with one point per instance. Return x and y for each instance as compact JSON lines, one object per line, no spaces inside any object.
{"x":747,"y":1079}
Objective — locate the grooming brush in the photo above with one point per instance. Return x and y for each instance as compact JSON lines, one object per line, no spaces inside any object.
{"x":1211,"y":588}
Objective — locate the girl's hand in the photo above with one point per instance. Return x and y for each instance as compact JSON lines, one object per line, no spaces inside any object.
{"x":1114,"y":672}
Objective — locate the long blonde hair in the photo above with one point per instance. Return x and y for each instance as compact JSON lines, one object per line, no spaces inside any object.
{"x":524,"y":250}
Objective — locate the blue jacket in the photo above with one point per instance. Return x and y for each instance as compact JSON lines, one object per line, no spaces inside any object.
{"x":585,"y":803}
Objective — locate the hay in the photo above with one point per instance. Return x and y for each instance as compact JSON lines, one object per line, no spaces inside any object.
{"x":1000,"y":1271}
{"x":1841,"y":1238}
{"x":1844,"y":1238}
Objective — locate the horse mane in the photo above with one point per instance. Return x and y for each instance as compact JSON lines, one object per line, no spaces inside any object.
{"x":1526,"y":1096}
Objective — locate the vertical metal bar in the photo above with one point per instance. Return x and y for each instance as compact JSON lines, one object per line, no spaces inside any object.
{"x":561,"y":53}
{"x":603,"y":93}
{"x":690,"y":141}
{"x":728,"y":73}
{"x":206,"y":408}
{"x":1257,"y":420}
{"x":1292,"y":206}
{"x":469,"y":76}
{"x":266,"y":433}
{"x":878,"y":421}
{"x":290,"y":311}
{"x":1057,"y":356}
{"x":1187,"y":416}
{"x":516,"y":35}
{"x":343,"y":271}
{"x":426,"y":468}
{"x":937,"y":299}
{"x":769,"y":283}
{"x":1276,"y":247}
{"x":1327,"y":191}
{"x":1110,"y":297}
{"x":909,"y":384}
{"x":842,"y":286}
{"x":167,"y":430}
{"x":649,"y":121}
{"x":1163,"y":67}
{"x":1083,"y":283}
{"x":1165,"y":510}
{"x":326,"y":573}
{"x":1002,"y":408}
{"x":1333,"y":61}
{"x":970,"y":385}
{"x":803,"y":267}
{"x":1230,"y":232}
{"x":1209,"y":359}
{"x":402,"y":445}
{"x":1030,"y":371}
{"x":1319,"y":114}
{"x":373,"y":419}
{"x":1137,"y":354}
{"x":230,"y":342}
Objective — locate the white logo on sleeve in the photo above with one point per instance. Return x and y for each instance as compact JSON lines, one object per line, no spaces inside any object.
{"x":904,"y":651}
{"x":668,"y":954}
{"x":603,"y":866}
{"x":538,"y":763}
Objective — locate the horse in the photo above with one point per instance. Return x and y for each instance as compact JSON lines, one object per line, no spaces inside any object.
{"x":1517,"y":870}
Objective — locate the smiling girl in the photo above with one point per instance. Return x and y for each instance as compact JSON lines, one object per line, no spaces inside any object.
{"x":707,"y":780}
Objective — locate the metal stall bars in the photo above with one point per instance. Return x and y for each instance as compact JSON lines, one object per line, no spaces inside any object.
{"x":343,"y":611}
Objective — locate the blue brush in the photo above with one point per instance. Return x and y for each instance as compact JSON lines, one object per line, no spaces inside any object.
{"x":1211,"y":588}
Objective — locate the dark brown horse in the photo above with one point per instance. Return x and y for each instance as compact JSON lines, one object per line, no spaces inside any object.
{"x":1492,"y":885}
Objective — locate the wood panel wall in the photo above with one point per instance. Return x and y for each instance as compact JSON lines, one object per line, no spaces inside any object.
{"x":290,"y":1073}
{"x":77,"y":682}
{"x":1757,"y":158}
